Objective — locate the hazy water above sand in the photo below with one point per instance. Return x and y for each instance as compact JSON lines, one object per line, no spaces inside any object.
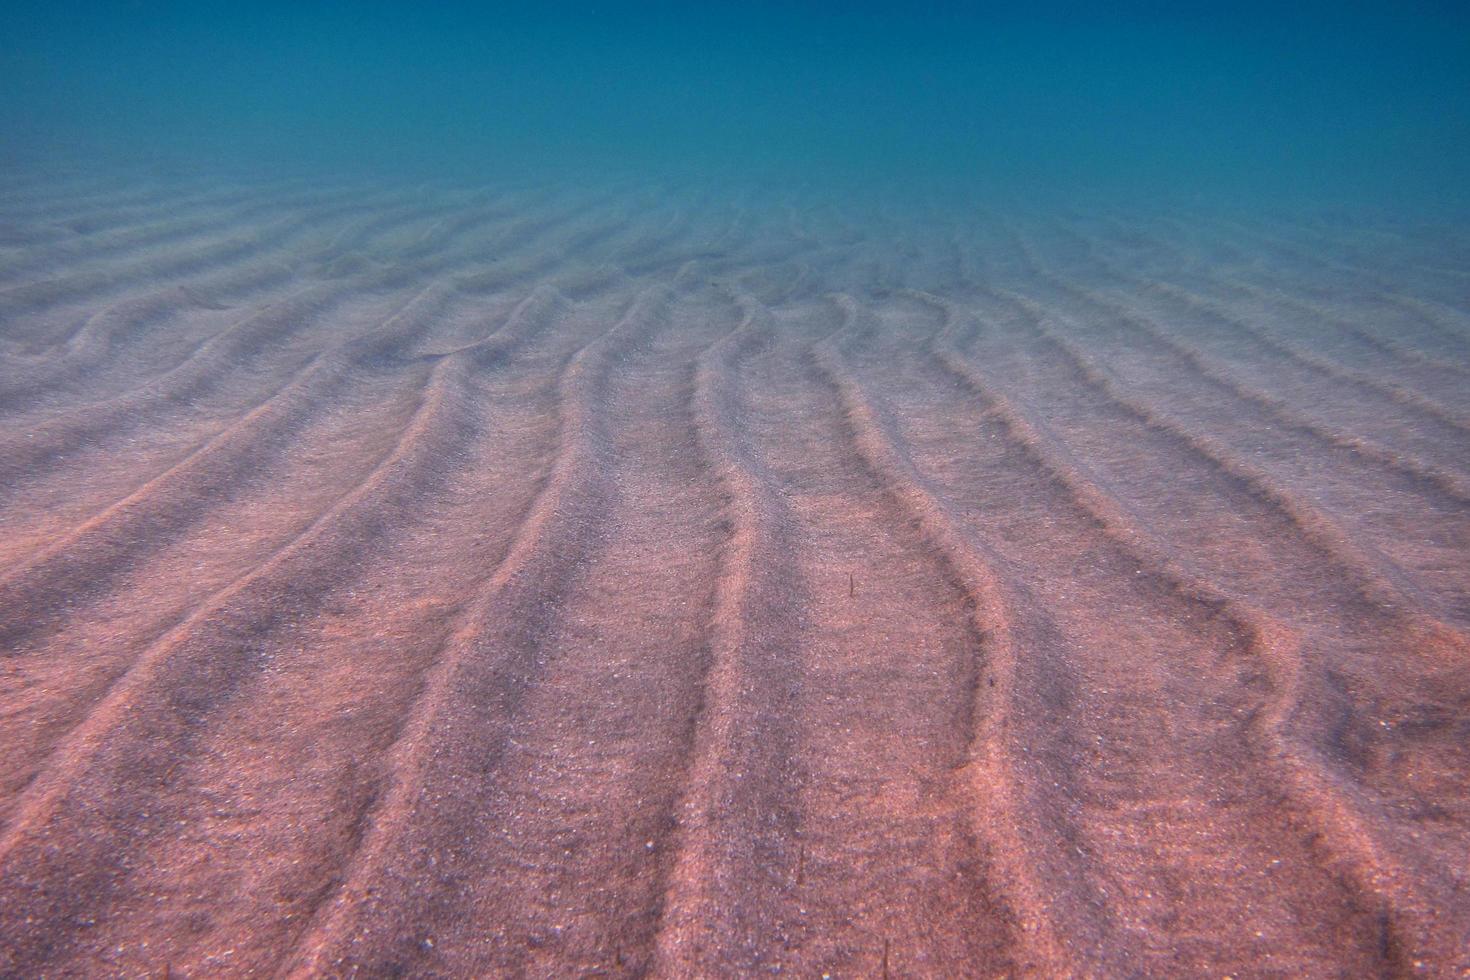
{"x":1325,"y":104}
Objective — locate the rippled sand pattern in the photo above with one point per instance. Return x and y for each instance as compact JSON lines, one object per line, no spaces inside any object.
{"x":687,"y":581}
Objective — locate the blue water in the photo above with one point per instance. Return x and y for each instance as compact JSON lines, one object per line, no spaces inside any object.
{"x":1319,"y":103}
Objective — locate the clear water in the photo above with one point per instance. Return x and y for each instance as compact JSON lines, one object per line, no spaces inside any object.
{"x":1321,"y":103}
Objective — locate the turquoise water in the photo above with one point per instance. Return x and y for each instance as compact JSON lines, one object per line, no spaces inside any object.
{"x":1321,"y":103}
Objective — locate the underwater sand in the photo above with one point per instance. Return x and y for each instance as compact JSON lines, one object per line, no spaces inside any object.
{"x":695,"y":581}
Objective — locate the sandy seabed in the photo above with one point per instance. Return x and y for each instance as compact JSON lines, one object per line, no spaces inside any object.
{"x":684,"y":581}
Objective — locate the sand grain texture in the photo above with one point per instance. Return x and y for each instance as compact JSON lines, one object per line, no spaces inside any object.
{"x":692,"y":581}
